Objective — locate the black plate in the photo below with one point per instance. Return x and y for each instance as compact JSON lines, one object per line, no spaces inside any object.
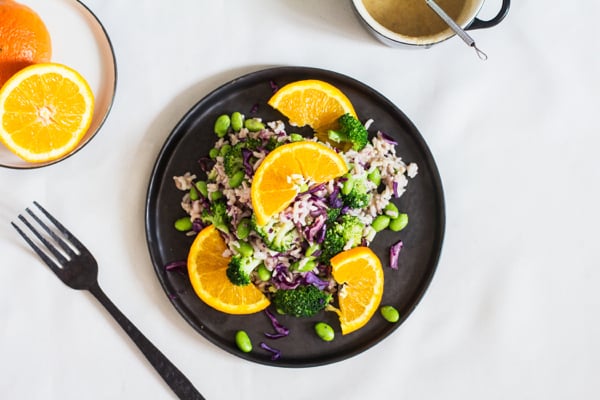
{"x":192,"y":138}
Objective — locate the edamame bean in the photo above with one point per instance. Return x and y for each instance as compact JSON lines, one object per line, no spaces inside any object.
{"x":296,"y":137}
{"x":243,"y":228}
{"x":306,"y":264}
{"x":391,"y":210}
{"x":237,"y":121}
{"x":254,"y":125}
{"x":202,"y":188}
{"x":399,"y":223}
{"x":236,"y":179}
{"x":222,"y":125}
{"x":390,"y":314}
{"x":183,"y":224}
{"x":245,"y":249}
{"x":224,"y":149}
{"x":375,"y":176}
{"x":193,"y":193}
{"x":324,"y":331}
{"x":263,"y":273}
{"x":213,"y":153}
{"x":348,"y":186}
{"x":242,"y":340}
{"x":216,"y":196}
{"x":380,"y":223}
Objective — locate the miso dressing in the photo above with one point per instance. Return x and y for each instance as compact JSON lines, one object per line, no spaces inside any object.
{"x":413,"y":17}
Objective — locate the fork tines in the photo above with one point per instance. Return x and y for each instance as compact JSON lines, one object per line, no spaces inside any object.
{"x":67,"y":242}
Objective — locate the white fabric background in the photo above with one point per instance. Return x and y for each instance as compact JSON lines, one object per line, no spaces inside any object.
{"x":512,"y":311}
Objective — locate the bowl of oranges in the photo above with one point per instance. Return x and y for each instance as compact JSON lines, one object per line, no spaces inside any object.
{"x":57,"y":80}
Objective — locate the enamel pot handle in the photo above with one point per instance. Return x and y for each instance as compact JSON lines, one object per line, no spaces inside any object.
{"x":479,"y":24}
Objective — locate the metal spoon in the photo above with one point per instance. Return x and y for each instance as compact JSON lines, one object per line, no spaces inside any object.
{"x":457,"y":29}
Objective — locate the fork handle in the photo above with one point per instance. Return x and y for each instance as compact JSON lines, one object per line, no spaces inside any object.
{"x":182,"y":387}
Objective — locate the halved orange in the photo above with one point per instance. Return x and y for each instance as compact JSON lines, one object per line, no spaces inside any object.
{"x":311,"y":102}
{"x":275,"y":184}
{"x":206,"y":269}
{"x":359,"y":272}
{"x":45,"y":110}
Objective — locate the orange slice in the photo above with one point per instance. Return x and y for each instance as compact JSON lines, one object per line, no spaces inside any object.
{"x":45,"y":109}
{"x":206,"y":269}
{"x":278,"y":177}
{"x":359,"y":271}
{"x":311,"y":102}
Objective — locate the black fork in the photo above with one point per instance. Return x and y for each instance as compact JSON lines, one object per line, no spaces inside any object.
{"x":73,"y":263}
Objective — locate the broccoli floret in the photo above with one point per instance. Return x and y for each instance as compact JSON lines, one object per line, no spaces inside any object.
{"x":240,"y":268}
{"x":278,"y":235}
{"x":346,"y":232}
{"x":351,"y":132}
{"x":253,"y":143}
{"x":216,"y":215}
{"x":304,"y":301}
{"x":233,"y":160}
{"x":355,"y":193}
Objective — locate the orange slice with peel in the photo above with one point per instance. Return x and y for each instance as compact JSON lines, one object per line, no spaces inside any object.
{"x":311,"y":102}
{"x":45,"y":110}
{"x":280,"y":175}
{"x":359,"y":272}
{"x":207,"y":271}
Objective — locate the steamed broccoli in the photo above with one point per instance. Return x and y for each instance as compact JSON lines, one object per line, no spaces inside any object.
{"x":233,"y":160}
{"x":240,"y":267}
{"x":216,"y":215}
{"x":351,"y":133}
{"x":346,"y":232}
{"x":355,"y":193}
{"x":278,"y":235}
{"x":304,"y":301}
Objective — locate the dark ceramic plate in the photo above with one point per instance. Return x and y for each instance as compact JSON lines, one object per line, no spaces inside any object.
{"x":192,"y":138}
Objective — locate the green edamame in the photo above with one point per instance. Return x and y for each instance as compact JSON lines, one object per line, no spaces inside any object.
{"x":380,"y":223}
{"x":254,"y":125}
{"x":242,"y":340}
{"x":391,"y":210}
{"x":183,"y":224}
{"x":237,"y":121}
{"x":263,"y":273}
{"x":389,"y":313}
{"x":216,"y":196}
{"x":375,"y":176}
{"x":399,"y":223}
{"x":348,"y":185}
{"x":222,"y":125}
{"x":243,"y":228}
{"x":324,"y":331}
{"x":237,"y":179}
{"x":202,"y":188}
{"x":245,"y":249}
{"x":193,"y":193}
{"x":213,"y":153}
{"x":224,"y":149}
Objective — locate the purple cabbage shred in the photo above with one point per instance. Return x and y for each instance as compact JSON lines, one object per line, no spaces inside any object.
{"x":246,"y":154}
{"x":313,"y":279}
{"x":394,"y":254}
{"x":175,"y":265}
{"x":388,"y":138}
{"x":280,"y":330}
{"x":276,"y":354}
{"x":274,"y":86}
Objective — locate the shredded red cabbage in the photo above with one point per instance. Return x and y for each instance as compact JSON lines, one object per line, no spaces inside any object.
{"x":280,"y":330}
{"x":311,"y":278}
{"x":395,"y":188}
{"x":394,"y":254}
{"x":246,"y":154}
{"x":388,"y":138}
{"x":175,"y":264}
{"x":274,"y":86}
{"x":276,"y":354}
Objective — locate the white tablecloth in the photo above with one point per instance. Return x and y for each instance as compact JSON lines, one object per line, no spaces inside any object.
{"x":512,"y":311}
